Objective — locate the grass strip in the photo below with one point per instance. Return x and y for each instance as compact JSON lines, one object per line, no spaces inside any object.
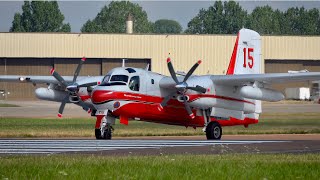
{"x":54,"y":128}
{"x":231,"y":166}
{"x":8,"y":105}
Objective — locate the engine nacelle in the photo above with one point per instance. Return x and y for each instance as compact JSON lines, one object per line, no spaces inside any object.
{"x":50,"y":94}
{"x":261,"y":93}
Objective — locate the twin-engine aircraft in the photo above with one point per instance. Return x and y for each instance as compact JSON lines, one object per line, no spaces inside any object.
{"x":208,"y":101}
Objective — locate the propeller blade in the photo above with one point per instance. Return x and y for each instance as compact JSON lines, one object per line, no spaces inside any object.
{"x":63,"y":104}
{"x":76,"y":73}
{"x":83,"y":105}
{"x":194,"y":67}
{"x":199,"y":89}
{"x":188,"y":108}
{"x":171,"y":70}
{"x":58,"y":77}
{"x":165,"y":101}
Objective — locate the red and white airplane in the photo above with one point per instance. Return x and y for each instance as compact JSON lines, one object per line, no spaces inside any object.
{"x":208,"y":101}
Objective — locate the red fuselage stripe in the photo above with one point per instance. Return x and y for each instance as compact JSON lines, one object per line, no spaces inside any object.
{"x":100,"y":97}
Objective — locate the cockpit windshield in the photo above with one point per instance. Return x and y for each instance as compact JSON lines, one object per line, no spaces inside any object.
{"x":119,"y":78}
{"x":114,"y":80}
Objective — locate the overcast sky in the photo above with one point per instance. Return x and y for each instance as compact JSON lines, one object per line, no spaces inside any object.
{"x":78,"y":12}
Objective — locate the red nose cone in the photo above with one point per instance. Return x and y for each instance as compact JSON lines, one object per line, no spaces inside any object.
{"x":101,"y":96}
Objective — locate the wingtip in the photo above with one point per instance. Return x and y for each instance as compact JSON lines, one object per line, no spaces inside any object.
{"x":60,"y":115}
{"x":89,"y":111}
{"x":168,"y":60}
{"x":199,"y":61}
{"x":83,"y":59}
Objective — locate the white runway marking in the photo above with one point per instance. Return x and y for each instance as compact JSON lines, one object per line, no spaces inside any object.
{"x":8,"y":146}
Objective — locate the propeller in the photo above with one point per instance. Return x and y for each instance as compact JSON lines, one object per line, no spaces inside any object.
{"x":72,"y":88}
{"x":182,"y":87}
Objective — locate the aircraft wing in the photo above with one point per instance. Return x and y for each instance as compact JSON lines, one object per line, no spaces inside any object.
{"x":272,"y":78}
{"x":43,"y":79}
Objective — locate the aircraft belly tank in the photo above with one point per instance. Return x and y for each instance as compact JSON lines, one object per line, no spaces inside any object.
{"x":50,"y":94}
{"x":261,"y":94}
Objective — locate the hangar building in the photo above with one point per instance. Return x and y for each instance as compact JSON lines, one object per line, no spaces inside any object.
{"x":36,"y":53}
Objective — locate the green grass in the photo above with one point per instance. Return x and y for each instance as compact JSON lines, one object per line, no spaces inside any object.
{"x":55,"y":128}
{"x":8,"y":105}
{"x":231,"y":166}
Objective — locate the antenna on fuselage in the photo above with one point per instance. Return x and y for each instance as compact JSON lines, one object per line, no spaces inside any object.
{"x":147,"y":67}
{"x":123,"y":62}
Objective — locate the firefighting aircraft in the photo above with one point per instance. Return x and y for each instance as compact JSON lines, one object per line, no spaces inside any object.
{"x":208,"y":101}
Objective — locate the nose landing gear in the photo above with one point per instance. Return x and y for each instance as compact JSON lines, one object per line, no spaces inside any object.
{"x":104,"y":129}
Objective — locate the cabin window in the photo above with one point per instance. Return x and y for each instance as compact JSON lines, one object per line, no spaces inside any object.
{"x":134,"y":83}
{"x":106,"y":79}
{"x":152,"y":81}
{"x":119,"y":78}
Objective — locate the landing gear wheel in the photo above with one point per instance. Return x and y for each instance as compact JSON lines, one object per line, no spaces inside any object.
{"x":213,"y":131}
{"x":104,"y":132}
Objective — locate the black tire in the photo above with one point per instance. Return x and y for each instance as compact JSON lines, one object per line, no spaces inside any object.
{"x":106,"y":135}
{"x":97,"y":132}
{"x":213,"y":131}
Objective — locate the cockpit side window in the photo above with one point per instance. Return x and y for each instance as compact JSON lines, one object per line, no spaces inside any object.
{"x":134,"y":83}
{"x":106,"y":79}
{"x":119,"y":78}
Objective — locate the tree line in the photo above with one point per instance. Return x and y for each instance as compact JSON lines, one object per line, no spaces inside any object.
{"x":220,"y":18}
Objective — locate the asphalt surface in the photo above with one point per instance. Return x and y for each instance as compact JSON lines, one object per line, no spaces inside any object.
{"x":154,"y":147}
{"x":46,"y":109}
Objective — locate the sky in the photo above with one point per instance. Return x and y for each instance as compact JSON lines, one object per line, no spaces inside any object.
{"x":78,"y":12}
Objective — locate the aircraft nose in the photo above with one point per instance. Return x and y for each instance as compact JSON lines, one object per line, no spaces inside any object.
{"x":101,"y":96}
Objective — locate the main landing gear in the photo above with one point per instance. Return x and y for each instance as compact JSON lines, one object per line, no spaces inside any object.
{"x":104,"y":127}
{"x":212,"y":129}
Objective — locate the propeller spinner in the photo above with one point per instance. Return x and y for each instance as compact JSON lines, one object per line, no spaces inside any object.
{"x":72,"y":88}
{"x":182,"y":87}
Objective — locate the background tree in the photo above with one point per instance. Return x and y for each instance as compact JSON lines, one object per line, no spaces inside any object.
{"x":221,"y":18}
{"x":166,"y":26}
{"x":265,"y":21}
{"x":39,"y":16}
{"x":112,"y":19}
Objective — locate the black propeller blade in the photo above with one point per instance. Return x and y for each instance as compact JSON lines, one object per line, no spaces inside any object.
{"x":171,"y":70}
{"x":182,"y":87}
{"x":63,"y":104}
{"x":76,"y":73}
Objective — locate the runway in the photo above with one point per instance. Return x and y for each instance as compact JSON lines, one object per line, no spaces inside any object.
{"x":153,"y":147}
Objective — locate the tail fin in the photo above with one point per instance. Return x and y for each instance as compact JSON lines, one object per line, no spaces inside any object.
{"x":246,"y":53}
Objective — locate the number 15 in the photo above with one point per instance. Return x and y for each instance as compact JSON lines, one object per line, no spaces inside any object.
{"x":250,"y":57}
